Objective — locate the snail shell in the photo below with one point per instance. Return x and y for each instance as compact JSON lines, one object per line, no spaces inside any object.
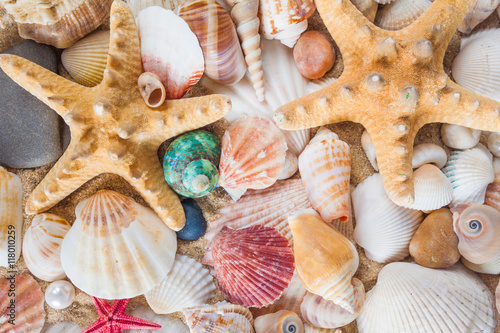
{"x":280,"y":322}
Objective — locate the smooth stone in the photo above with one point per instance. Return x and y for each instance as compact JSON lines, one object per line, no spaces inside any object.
{"x":196,"y":225}
{"x":435,"y":244}
{"x":313,"y":54}
{"x":29,"y":129}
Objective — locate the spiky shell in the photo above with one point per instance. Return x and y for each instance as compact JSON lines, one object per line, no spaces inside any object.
{"x":137,"y":5}
{"x":459,"y":137}
{"x":400,"y":14}
{"x":42,"y":246}
{"x":449,"y":300}
{"x":116,"y":239}
{"x":280,"y":322}
{"x":433,"y":189}
{"x":190,"y":164}
{"x":167,"y":322}
{"x":253,"y":265}
{"x":187,"y":284}
{"x":479,"y":11}
{"x":222,"y":317}
{"x":11,"y":217}
{"x":428,"y":153}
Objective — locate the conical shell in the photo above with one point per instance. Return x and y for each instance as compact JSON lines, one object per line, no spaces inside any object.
{"x":367,"y":7}
{"x":216,"y":33}
{"x":433,"y":189}
{"x":428,"y":153}
{"x":280,"y":322}
{"x":383,"y":228}
{"x":116,"y":239}
{"x":188,"y":284}
{"x":137,"y":5}
{"x":459,"y":137}
{"x":400,"y":14}
{"x":492,"y":196}
{"x":253,"y":265}
{"x":222,"y":317}
{"x":479,"y":11}
{"x":325,"y":169}
{"x":170,"y":50}
{"x":11,"y":217}
{"x":410,"y":298}
{"x":492,"y":267}
{"x":64,"y":327}
{"x":325,"y":259}
{"x":42,"y":246}
{"x":167,"y":322}
{"x":21,"y":304}
{"x":86,"y":60}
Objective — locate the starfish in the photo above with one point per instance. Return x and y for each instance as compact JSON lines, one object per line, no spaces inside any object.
{"x":112,"y":318}
{"x":112,"y":129}
{"x":393,"y":84}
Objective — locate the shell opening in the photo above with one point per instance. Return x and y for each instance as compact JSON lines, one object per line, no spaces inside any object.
{"x":156,"y":98}
{"x":200,"y":177}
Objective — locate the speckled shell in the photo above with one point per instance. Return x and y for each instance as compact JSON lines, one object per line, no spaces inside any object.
{"x":400,"y":14}
{"x":479,"y":11}
{"x":428,"y":153}
{"x":433,"y":189}
{"x":280,"y":322}
{"x":190,"y":164}
{"x":42,"y":246}
{"x":459,"y":137}
{"x":216,"y":33}
{"x":222,"y":317}
{"x":11,"y":217}
{"x":137,"y":5}
{"x":116,"y":239}
{"x":492,"y":196}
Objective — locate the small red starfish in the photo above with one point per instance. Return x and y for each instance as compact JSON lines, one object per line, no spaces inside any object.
{"x":112,"y":318}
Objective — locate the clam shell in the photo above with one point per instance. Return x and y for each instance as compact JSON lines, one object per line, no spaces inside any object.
{"x":42,"y":246}
{"x":253,"y":265}
{"x":446,"y":300}
{"x":280,"y":322}
{"x":168,"y":324}
{"x":187,"y":284}
{"x":367,"y":7}
{"x":222,"y":317}
{"x":400,"y":14}
{"x":11,"y":217}
{"x":116,"y":239}
{"x":137,"y":5}
{"x":492,"y":267}
{"x":291,"y":166}
{"x":492,"y":196}
{"x":479,"y":11}
{"x":369,"y":148}
{"x":383,"y":228}
{"x":433,"y":189}
{"x":459,"y":137}
{"x":64,"y":327}
{"x":428,"y":153}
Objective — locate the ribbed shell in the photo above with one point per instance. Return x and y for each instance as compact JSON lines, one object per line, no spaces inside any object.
{"x":433,"y":189}
{"x":11,"y":217}
{"x":216,"y":33}
{"x":492,"y":267}
{"x":137,"y":5}
{"x":187,"y":284}
{"x":479,"y":11}
{"x":253,"y":265}
{"x":400,"y":14}
{"x":428,"y":153}
{"x":280,"y":322}
{"x":383,"y":228}
{"x":42,"y":246}
{"x":410,"y":298}
{"x":222,"y":317}
{"x":117,"y":248}
{"x":494,"y":143}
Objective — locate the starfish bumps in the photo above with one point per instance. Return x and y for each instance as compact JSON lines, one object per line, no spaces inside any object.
{"x":112,"y":129}
{"x":393,"y":84}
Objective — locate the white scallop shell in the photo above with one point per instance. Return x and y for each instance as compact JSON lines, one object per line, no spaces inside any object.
{"x":428,"y":153}
{"x":459,"y":137}
{"x":291,"y":166}
{"x":383,"y":228}
{"x":222,"y":317}
{"x":400,"y":14}
{"x":479,"y":11}
{"x":369,"y":148}
{"x":492,"y":267}
{"x":64,"y":327}
{"x":168,"y":324}
{"x":11,"y":217}
{"x":410,"y":298}
{"x":137,"y":5}
{"x":433,"y":189}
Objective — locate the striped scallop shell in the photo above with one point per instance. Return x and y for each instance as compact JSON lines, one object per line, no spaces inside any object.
{"x":479,"y":11}
{"x":42,"y":246}
{"x":492,"y":196}
{"x":433,"y":189}
{"x":222,"y":317}
{"x":400,"y":14}
{"x":11,"y":217}
{"x":280,"y":322}
{"x":410,"y":298}
{"x":383,"y":228}
{"x":492,"y":267}
{"x":137,"y":5}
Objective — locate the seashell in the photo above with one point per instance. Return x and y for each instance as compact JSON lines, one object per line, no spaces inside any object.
{"x":367,"y":7}
{"x":217,"y":36}
{"x":28,"y":314}
{"x":312,"y":329}
{"x":190,"y":164}
{"x":328,"y":272}
{"x":492,"y":267}
{"x":5,"y":19}
{"x":187,"y":284}
{"x":151,"y":89}
{"x":196,"y":225}
{"x":369,"y":148}
{"x":116,"y":239}
{"x":494,"y":143}
{"x":383,"y":228}
{"x":470,"y":171}
{"x":479,"y":54}
{"x":64,"y":327}
{"x":222,"y":317}
{"x":346,"y":228}
{"x":11,"y":217}
{"x":397,"y":15}
{"x":170,"y":50}
{"x":459,"y":137}
{"x":451,"y":299}
{"x":253,"y":265}
{"x":59,"y":23}
{"x":42,"y":246}
{"x":383,"y":2}
{"x":479,"y":11}
{"x":253,"y":155}
{"x":492,"y":196}
{"x":325,"y":169}
{"x":314,"y":54}
{"x":137,"y":5}
{"x":280,"y":322}
{"x":167,"y":322}
{"x":86,"y":60}
{"x":433,"y":189}
{"x":318,"y":84}
{"x":478,"y":230}
{"x":428,"y":153}
{"x":291,"y":166}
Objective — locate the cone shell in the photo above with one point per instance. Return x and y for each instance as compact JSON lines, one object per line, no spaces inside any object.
{"x":428,"y":153}
{"x":42,"y":246}
{"x":479,"y":11}
{"x":325,"y":259}
{"x":11,"y":217}
{"x":28,"y":312}
{"x":400,"y":14}
{"x":116,"y":239}
{"x":222,"y":317}
{"x":383,"y":228}
{"x":492,"y":267}
{"x":137,"y":5}
{"x":459,"y":137}
{"x":253,"y":265}
{"x":325,"y":169}
{"x":433,"y":189}
{"x":446,"y":300}
{"x":492,"y":197}
{"x":280,"y":322}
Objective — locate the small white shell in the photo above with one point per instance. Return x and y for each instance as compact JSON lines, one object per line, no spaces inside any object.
{"x":428,"y":153}
{"x":291,"y":166}
{"x":479,"y":11}
{"x":369,"y":148}
{"x":152,"y":90}
{"x":11,"y":217}
{"x":459,"y":137}
{"x":433,"y":189}
{"x":492,"y":267}
{"x":222,"y":317}
{"x":492,"y":197}
{"x":494,"y":143}
{"x":400,"y":14}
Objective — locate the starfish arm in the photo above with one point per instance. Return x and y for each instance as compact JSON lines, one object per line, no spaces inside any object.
{"x":127,"y":322}
{"x":98,"y":326}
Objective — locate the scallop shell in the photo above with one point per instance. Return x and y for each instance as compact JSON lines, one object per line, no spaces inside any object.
{"x":383,"y":228}
{"x":253,"y":265}
{"x":479,"y":11}
{"x":494,"y":143}
{"x":477,"y":65}
{"x":188,"y":284}
{"x":170,"y":50}
{"x":216,"y":33}
{"x":64,"y":327}
{"x":428,"y":153}
{"x":42,"y":246}
{"x":116,"y":239}
{"x":190,"y":164}
{"x":400,"y":14}
{"x":492,"y":196}
{"x":280,"y":322}
{"x":27,"y":313}
{"x":433,"y":189}
{"x":253,"y":155}
{"x":492,"y":267}
{"x":369,"y":148}
{"x":222,"y":317}
{"x":410,"y":298}
{"x":459,"y":137}
{"x":325,"y":169}
{"x":291,"y":166}
{"x":325,"y":259}
{"x":312,"y":329}
{"x":11,"y":217}
{"x":152,"y":90}
{"x":367,"y":7}
{"x":137,"y":5}
{"x":86,"y":60}
{"x":167,"y":322}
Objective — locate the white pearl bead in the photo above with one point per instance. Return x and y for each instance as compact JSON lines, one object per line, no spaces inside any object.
{"x":494,"y":143}
{"x":60,"y":294}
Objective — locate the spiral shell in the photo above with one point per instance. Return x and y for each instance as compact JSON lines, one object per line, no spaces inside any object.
{"x":11,"y":217}
{"x":222,"y":317}
{"x":151,"y":89}
{"x":428,"y":153}
{"x":280,"y":322}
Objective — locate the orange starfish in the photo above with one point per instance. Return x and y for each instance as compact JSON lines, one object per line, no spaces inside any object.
{"x":393,"y":84}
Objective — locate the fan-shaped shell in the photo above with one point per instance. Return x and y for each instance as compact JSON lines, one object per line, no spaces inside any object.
{"x":479,"y":11}
{"x":11,"y":217}
{"x":400,"y":14}
{"x":433,"y":189}
{"x":42,"y":246}
{"x":280,"y":322}
{"x":492,"y":196}
{"x":428,"y":153}
{"x":116,"y":239}
{"x":383,"y":228}
{"x":446,"y":300}
{"x":459,"y":137}
{"x":222,"y":317}
{"x":137,"y":5}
